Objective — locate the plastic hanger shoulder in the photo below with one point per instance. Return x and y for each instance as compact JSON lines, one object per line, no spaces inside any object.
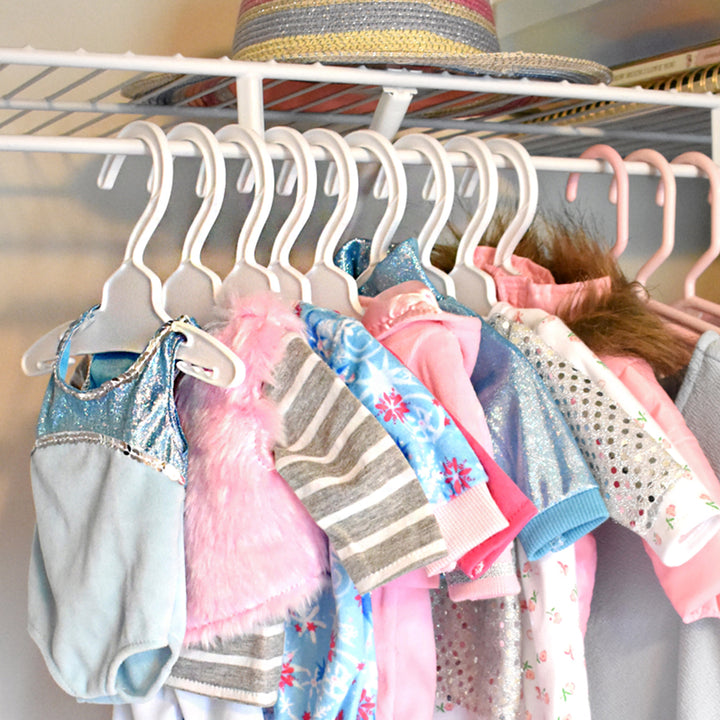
{"x":131,"y":309}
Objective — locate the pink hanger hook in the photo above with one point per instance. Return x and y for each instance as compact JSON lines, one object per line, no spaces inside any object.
{"x":667,"y":197}
{"x":621,"y":197}
{"x":711,"y":169}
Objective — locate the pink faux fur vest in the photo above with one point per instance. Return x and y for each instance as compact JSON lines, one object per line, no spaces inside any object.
{"x":252,"y":551}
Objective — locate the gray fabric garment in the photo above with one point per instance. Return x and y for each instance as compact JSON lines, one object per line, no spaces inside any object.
{"x":631,"y":640}
{"x":643,"y":662}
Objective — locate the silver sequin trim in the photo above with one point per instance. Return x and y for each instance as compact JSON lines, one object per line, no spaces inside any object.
{"x":130,"y":374}
{"x":66,"y":438}
{"x":633,"y":472}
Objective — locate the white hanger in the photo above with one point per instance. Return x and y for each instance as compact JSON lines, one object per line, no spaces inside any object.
{"x":474,"y":287}
{"x":192,"y":288}
{"x":527,"y":199}
{"x":391,"y":182}
{"x":619,"y":192}
{"x":132,"y":307}
{"x":247,"y":276}
{"x":331,"y":287}
{"x":666,"y":197}
{"x":440,"y":187}
{"x":301,"y":172}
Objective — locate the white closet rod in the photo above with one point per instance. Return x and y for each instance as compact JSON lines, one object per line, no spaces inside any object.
{"x":179,"y":148}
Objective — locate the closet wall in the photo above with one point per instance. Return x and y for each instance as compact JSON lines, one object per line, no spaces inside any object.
{"x":61,"y":237}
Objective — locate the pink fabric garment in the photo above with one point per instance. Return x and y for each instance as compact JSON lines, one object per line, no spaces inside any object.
{"x":440,"y":349}
{"x":409,"y":323}
{"x":535,"y":286}
{"x":694,"y":587}
{"x":518,"y":510}
{"x":405,"y":647}
{"x":586,"y":565}
{"x":253,"y":552}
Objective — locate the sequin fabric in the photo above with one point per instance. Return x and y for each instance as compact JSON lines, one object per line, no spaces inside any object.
{"x":625,"y":460}
{"x":531,"y":440}
{"x":478,"y":655}
{"x":129,"y":415}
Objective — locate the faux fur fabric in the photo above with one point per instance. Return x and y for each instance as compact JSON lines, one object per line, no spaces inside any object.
{"x":612,"y":321}
{"x":252,"y":550}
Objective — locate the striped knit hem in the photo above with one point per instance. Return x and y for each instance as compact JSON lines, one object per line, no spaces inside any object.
{"x":349,"y":474}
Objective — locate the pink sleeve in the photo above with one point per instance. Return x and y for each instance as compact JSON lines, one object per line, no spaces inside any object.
{"x":432,"y":353}
{"x":693,"y":587}
{"x":586,"y":560}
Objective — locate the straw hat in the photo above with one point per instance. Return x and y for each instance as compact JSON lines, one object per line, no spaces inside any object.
{"x":453,"y":35}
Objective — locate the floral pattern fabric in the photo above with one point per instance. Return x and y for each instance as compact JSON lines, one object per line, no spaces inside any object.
{"x":329,"y":668}
{"x":438,"y":453}
{"x":554,"y":678}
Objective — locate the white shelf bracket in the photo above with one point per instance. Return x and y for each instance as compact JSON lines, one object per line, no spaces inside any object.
{"x":250,"y":102}
{"x":391,"y":109}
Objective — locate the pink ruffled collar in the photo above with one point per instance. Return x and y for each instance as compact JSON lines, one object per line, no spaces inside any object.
{"x":411,"y":302}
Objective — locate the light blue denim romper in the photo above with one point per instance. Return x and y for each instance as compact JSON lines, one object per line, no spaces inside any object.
{"x":106,"y":601}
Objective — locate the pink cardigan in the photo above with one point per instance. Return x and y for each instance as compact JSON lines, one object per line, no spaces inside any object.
{"x":693,"y":587}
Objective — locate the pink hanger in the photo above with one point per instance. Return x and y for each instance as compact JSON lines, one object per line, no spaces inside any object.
{"x":711,"y":169}
{"x":688,"y":325}
{"x":619,"y":197}
{"x":666,"y":196}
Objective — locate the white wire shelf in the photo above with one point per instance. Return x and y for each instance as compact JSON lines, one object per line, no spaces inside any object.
{"x":80,"y":95}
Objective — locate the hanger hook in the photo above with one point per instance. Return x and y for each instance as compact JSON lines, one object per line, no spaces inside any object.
{"x":210,"y":185}
{"x":712,"y":171}
{"x":666,"y":196}
{"x":331,"y":287}
{"x":528,"y":192}
{"x":300,"y":172}
{"x":620,"y":196}
{"x":247,"y":275}
{"x":159,"y":183}
{"x":475,"y":287}
{"x":440,"y":187}
{"x":391,"y":182}
{"x":192,"y":288}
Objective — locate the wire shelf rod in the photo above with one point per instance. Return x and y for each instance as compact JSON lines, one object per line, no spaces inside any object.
{"x":360,"y":75}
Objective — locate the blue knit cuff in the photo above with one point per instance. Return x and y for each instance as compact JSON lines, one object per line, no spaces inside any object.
{"x":561,"y":524}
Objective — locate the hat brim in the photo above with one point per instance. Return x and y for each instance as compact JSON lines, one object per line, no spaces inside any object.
{"x":209,"y":91}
